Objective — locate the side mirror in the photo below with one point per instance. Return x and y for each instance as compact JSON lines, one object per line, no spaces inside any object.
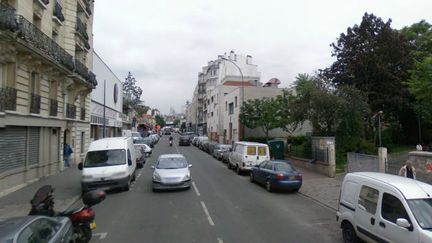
{"x":152,"y":167}
{"x":80,"y":166}
{"x":190,"y":165}
{"x":403,"y":223}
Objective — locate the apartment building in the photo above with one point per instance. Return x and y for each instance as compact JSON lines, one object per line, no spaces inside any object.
{"x":45,"y":86}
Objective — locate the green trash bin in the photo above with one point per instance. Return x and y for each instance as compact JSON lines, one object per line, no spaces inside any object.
{"x":277,"y":149}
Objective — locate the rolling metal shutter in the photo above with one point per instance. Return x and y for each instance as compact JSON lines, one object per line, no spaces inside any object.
{"x":13,"y":147}
{"x":33,"y":143}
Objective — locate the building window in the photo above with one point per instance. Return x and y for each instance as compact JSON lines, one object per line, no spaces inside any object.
{"x":212,"y":114}
{"x":226,"y":105}
{"x":212,"y":99}
{"x":231,"y":108}
{"x":235,"y":101}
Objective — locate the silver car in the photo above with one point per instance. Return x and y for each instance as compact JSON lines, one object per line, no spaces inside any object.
{"x":171,"y":171}
{"x":36,"y":229}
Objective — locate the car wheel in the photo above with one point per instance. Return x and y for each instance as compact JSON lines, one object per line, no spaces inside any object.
{"x":127,"y":187}
{"x":349,"y":234}
{"x":296,"y":190}
{"x":251,"y":177}
{"x":229,"y":165}
{"x":238,"y":170}
{"x":268,"y":186}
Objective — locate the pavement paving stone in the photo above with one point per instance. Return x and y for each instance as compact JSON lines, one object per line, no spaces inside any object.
{"x":67,"y":191}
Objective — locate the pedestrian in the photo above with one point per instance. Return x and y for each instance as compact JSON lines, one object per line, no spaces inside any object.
{"x":408,"y":170}
{"x":419,"y":147}
{"x":67,"y":151}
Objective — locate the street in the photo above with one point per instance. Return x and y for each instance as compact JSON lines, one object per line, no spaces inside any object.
{"x":220,"y":207}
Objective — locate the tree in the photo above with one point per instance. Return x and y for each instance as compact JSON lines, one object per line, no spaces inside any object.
{"x":160,"y":120}
{"x":420,"y":85}
{"x":176,"y":122}
{"x":420,"y":35}
{"x":288,"y":116}
{"x":131,"y":93}
{"x":260,"y":113}
{"x":375,"y":59}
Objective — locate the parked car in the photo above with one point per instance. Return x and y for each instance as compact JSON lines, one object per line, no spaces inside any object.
{"x":171,"y":171}
{"x":145,"y":148}
{"x":219,"y":149}
{"x":184,"y":140}
{"x":210,"y":147}
{"x":155,"y":138}
{"x":145,"y":140}
{"x":204,"y":145}
{"x":195,"y":141}
{"x":109,"y":163}
{"x":201,"y":139}
{"x":225,"y":155}
{"x":36,"y":229}
{"x":140,"y":156}
{"x":246,"y":155}
{"x":276,"y":174}
{"x":378,"y":207}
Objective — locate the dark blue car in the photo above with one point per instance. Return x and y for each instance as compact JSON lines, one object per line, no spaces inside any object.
{"x":276,"y":174}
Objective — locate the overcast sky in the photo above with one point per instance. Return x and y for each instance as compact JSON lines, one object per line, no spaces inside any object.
{"x":164,"y":43}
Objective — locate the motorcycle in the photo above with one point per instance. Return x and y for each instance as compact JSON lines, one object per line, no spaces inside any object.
{"x":170,"y":142}
{"x":83,"y":219}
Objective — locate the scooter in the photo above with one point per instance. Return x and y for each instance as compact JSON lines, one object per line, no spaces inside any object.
{"x":83,"y":219}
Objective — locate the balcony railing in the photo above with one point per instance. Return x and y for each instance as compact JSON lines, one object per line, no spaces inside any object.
{"x":8,"y":97}
{"x":83,"y":114}
{"x":34,"y":37}
{"x":70,"y":111}
{"x":46,"y":2}
{"x":53,"y":107}
{"x":58,"y":11}
{"x":92,"y":79}
{"x":81,"y":28}
{"x":35,"y":101}
{"x":87,"y":7}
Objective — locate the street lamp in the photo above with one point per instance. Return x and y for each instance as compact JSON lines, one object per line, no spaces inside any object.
{"x":242,"y":88}
{"x":379,"y":127}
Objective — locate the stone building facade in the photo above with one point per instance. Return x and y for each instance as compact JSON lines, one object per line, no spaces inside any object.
{"x":45,"y":86}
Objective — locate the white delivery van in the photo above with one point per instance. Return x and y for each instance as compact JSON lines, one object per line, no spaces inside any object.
{"x":378,"y":207}
{"x":246,"y":155}
{"x":109,"y":163}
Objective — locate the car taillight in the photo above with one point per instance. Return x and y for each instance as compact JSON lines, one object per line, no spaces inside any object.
{"x":86,"y":214}
{"x":280,"y":176}
{"x":299,"y":177}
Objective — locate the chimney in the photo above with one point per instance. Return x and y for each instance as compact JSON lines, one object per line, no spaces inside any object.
{"x":248,"y":59}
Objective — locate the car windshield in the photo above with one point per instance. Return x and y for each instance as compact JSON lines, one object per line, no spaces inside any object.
{"x":105,"y":158}
{"x":171,"y":163}
{"x":283,"y":167}
{"x":422,"y":210}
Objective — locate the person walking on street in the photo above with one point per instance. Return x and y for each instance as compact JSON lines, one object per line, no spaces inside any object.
{"x":408,"y":170}
{"x":67,"y":151}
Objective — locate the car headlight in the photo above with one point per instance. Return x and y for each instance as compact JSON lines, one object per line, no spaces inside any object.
{"x":187,"y":177}
{"x":156,"y":177}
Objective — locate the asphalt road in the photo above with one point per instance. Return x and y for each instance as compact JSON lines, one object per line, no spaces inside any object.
{"x":220,"y":207}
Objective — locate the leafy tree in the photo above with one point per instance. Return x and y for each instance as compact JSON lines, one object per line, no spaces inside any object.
{"x":260,"y":113}
{"x":420,"y":85}
{"x":176,"y":122}
{"x":141,"y":109}
{"x":160,"y":120}
{"x":288,"y":116}
{"x":375,"y":59}
{"x":420,"y":35}
{"x":131,"y":93}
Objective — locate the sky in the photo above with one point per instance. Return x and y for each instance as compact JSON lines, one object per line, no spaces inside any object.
{"x":165,"y":43}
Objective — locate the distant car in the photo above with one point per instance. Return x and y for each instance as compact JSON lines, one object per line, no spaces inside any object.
{"x":155,"y":138}
{"x":276,"y":174}
{"x":171,"y":171}
{"x":36,"y":229}
{"x":184,"y":140}
{"x":146,"y":149}
{"x":195,"y":140}
{"x":225,"y":156}
{"x":203,"y":145}
{"x":146,"y":140}
{"x":210,"y":147}
{"x":140,"y":156}
{"x":200,"y":140}
{"x":219,"y":149}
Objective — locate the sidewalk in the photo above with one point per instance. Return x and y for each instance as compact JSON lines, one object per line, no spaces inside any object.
{"x":321,"y":188}
{"x":67,"y":191}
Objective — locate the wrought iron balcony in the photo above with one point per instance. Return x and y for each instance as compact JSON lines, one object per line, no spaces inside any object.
{"x":87,"y":45}
{"x":46,"y":2}
{"x":70,"y":111}
{"x":53,"y":107}
{"x":92,"y":79}
{"x":7,"y":18}
{"x":58,"y":11}
{"x":81,"y":28}
{"x":35,"y":101}
{"x":83,"y":113}
{"x":8,"y":97}
{"x":81,"y":69}
{"x":87,"y":7}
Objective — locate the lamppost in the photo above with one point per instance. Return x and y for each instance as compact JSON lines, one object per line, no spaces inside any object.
{"x":242,"y":88}
{"x":379,"y":127}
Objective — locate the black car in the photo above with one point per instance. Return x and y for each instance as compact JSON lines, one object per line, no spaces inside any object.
{"x":184,"y":140}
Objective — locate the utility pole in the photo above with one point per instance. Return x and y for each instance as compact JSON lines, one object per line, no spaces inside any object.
{"x":104,"y":117}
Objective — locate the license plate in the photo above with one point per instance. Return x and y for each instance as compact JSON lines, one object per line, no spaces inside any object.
{"x":292,"y":178}
{"x":93,"y":225}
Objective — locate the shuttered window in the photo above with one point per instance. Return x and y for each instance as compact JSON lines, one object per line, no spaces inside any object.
{"x":13,"y":147}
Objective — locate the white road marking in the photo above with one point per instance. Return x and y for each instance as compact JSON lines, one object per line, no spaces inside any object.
{"x":207,"y":214}
{"x":196,"y":189}
{"x":219,"y":240}
{"x":101,"y":235}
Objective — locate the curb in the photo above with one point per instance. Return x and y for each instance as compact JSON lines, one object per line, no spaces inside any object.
{"x":317,"y":201}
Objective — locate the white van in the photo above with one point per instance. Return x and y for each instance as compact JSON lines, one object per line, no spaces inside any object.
{"x":246,"y":155}
{"x":109,"y":163}
{"x":378,"y":207}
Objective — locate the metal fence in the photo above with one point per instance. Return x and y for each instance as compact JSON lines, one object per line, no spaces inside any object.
{"x":316,"y":150}
{"x":362,"y":162}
